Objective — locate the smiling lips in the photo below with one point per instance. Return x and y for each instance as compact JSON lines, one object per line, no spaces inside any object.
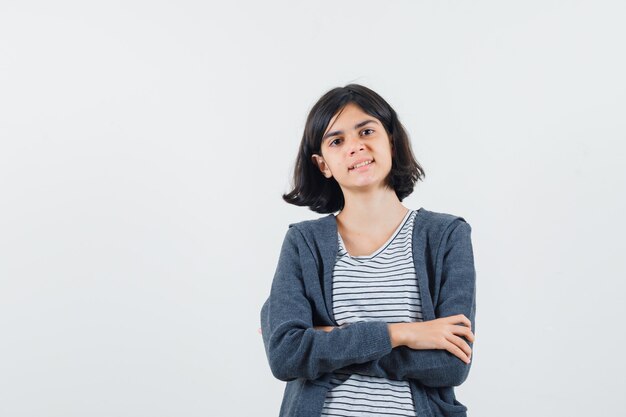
{"x":361,"y":164}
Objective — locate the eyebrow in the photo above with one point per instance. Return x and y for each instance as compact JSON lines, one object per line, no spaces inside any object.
{"x":356,"y":126}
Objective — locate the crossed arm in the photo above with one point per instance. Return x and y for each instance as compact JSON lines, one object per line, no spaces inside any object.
{"x":297,"y":349}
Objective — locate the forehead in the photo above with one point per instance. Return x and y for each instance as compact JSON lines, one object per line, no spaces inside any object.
{"x":346,"y":117}
{"x":348,"y":114}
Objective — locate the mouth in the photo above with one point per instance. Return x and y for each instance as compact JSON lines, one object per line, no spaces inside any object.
{"x":361,"y":166}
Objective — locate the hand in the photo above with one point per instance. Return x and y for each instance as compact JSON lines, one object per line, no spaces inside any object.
{"x":325,"y":328}
{"x":441,"y":333}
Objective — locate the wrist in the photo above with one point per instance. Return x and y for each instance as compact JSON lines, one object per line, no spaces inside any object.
{"x":396,"y":334}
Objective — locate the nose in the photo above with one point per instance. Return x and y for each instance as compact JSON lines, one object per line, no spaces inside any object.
{"x":355,"y":144}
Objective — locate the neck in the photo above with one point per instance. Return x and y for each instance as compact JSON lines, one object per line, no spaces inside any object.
{"x":367,"y":210}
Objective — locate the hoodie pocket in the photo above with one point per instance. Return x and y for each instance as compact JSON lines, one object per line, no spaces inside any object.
{"x":444,"y":404}
{"x":312,"y":399}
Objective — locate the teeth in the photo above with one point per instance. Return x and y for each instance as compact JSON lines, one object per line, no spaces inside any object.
{"x":361,"y":164}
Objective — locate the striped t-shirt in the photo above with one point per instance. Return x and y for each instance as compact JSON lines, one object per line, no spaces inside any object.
{"x":380,"y":286}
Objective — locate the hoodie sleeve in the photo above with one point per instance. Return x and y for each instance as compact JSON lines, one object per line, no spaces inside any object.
{"x":293,"y":347}
{"x":437,"y":367}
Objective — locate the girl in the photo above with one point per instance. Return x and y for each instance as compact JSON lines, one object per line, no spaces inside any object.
{"x":371,"y":310}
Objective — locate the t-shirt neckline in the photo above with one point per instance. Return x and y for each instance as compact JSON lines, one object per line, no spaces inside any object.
{"x":383,"y":246}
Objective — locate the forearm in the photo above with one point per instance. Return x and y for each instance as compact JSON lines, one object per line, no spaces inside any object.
{"x":403,"y":363}
{"x":396,"y":335}
{"x":295,"y":351}
{"x":432,"y":367}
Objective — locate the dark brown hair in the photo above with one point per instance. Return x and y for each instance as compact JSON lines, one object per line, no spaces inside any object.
{"x":323,"y":195}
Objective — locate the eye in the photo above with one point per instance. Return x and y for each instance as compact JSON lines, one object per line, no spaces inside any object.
{"x":365,"y":130}
{"x":333,"y":141}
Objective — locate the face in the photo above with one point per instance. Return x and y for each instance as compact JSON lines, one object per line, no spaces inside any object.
{"x":353,"y":137}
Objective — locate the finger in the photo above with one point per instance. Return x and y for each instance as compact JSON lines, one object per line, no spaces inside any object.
{"x":465,"y":320}
{"x":460,"y":318}
{"x":456,"y":351}
{"x":461,"y":344}
{"x":321,"y":328}
{"x":456,"y":319}
{"x":463,"y":331}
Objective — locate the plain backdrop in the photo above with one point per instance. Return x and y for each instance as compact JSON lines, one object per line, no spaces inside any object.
{"x":145,"y":145}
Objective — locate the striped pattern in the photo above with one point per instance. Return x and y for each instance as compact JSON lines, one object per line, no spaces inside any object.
{"x":380,"y":286}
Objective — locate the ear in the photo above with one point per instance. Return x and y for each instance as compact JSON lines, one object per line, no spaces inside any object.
{"x":321,"y":164}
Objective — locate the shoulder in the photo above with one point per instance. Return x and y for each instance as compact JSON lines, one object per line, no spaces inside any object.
{"x":320,"y":232}
{"x":312,"y":225}
{"x":437,"y":219}
{"x":441,"y":227}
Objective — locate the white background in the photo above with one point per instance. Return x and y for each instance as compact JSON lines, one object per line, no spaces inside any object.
{"x":144,"y":148}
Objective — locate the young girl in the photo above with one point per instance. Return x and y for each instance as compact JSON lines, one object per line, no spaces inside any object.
{"x":371,"y":310}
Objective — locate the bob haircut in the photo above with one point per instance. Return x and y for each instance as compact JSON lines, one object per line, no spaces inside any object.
{"x":323,"y":195}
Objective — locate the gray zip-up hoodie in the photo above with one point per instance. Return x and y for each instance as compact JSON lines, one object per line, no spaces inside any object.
{"x":301,"y":297}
